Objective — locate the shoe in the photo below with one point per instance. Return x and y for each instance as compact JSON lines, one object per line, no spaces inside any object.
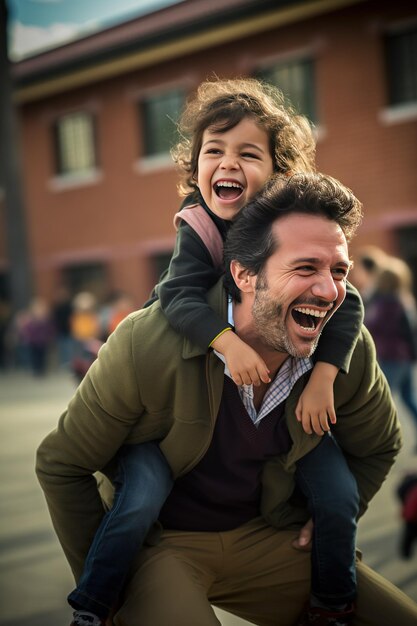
{"x":84,"y":618}
{"x":321,"y":617}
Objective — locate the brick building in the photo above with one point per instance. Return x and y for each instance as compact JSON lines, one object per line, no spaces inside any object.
{"x":96,"y":125}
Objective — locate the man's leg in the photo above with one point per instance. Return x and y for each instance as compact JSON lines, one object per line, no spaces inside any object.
{"x":169,"y":587}
{"x":380,"y":603}
{"x":266,"y":581}
{"x":253,"y":572}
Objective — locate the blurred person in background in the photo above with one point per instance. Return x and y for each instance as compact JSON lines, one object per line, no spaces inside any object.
{"x":407,"y":493}
{"x":62,"y":309}
{"x":17,"y":339}
{"x":85,"y":332}
{"x":368,"y":263}
{"x":118,"y":306}
{"x":39,"y":334}
{"x":391,"y":317}
{"x":5,"y":321}
{"x":121,"y":307}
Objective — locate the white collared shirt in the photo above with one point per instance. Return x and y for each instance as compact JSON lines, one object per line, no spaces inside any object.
{"x":279,"y":389}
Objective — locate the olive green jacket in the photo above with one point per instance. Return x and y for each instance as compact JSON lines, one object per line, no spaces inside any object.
{"x":149,"y":383}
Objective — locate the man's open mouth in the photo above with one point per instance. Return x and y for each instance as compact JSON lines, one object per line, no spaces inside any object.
{"x":228,"y":190}
{"x":307,"y":318}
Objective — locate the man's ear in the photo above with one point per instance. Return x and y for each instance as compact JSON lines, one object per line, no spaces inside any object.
{"x":244,"y":280}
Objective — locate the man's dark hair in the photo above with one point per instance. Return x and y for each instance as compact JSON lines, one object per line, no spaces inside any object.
{"x":250,"y":240}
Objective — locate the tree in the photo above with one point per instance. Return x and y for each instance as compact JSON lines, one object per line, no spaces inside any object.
{"x":12,"y":182}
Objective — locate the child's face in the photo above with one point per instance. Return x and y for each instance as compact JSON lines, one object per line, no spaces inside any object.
{"x":233,"y":166}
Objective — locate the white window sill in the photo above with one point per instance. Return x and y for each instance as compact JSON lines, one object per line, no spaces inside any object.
{"x":63,"y":182}
{"x":398,"y":114}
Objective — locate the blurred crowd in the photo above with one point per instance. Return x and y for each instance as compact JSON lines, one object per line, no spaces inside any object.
{"x":385,"y":283}
{"x":386,"y":286}
{"x":63,"y":334}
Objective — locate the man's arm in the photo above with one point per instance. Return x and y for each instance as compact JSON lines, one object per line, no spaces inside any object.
{"x":89,"y":433}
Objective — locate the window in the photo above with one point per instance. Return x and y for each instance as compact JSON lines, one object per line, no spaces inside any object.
{"x":296,"y":80}
{"x":160,"y":263}
{"x":401,"y":63}
{"x":159,"y":114}
{"x":75,"y":143}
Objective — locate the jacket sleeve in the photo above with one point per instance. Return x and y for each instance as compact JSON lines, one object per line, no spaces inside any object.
{"x":183,"y":291}
{"x":367,"y":427}
{"x":340,"y":335}
{"x":89,"y":433}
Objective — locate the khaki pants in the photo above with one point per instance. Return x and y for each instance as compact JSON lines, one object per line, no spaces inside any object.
{"x":253,"y":572}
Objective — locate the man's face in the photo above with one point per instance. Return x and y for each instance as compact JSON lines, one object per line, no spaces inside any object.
{"x":302,"y":284}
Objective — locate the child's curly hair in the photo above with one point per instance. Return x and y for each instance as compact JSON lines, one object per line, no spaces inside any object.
{"x":221,"y":104}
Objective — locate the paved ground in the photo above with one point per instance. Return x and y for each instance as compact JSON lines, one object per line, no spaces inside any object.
{"x":34,"y":577}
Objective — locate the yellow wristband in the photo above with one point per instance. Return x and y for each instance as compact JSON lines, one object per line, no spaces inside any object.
{"x":219,"y":335}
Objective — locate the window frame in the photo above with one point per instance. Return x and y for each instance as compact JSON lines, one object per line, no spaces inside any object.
{"x":302,"y":57}
{"x":73,"y":176}
{"x":400,"y":111}
{"x":151,"y":157}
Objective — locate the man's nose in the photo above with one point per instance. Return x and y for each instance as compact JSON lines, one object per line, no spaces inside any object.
{"x":325,"y":287}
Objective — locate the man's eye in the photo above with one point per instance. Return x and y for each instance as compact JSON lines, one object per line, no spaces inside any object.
{"x":339,"y":273}
{"x":306,"y":269}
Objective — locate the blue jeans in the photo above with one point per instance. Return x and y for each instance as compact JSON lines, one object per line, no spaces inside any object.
{"x":324,"y":477}
{"x":142,"y":485}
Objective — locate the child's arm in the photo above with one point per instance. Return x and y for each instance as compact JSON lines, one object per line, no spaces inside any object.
{"x":183,"y":299}
{"x":316,"y":406}
{"x":183,"y":291}
{"x":245,"y":365}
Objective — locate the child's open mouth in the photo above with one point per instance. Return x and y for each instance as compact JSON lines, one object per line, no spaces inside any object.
{"x":228,"y":190}
{"x":308,"y":318}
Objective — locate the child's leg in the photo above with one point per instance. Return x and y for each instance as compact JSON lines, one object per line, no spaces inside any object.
{"x":333,"y":499}
{"x":142,"y":484}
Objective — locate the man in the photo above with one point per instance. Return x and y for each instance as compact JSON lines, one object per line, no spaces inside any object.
{"x":286,"y":264}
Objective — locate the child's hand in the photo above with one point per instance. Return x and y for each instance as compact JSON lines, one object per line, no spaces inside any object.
{"x":315,"y":406}
{"x":245,"y":365}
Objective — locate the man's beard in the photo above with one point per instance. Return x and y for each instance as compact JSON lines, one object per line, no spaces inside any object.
{"x":270,"y":324}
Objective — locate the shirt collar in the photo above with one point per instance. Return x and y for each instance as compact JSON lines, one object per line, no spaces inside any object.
{"x":280,"y":388}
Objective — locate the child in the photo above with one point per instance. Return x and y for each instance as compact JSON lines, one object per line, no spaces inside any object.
{"x":237,"y":134}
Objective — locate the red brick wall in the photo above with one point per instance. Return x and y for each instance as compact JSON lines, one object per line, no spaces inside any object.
{"x":127,"y":214}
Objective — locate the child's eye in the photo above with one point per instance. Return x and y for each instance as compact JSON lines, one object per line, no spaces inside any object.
{"x":213,"y":151}
{"x":250,"y":155}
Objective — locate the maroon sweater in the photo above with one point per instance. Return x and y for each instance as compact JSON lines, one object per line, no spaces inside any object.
{"x":223,"y":490}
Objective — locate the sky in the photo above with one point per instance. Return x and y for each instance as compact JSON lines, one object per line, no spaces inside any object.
{"x":36,"y":25}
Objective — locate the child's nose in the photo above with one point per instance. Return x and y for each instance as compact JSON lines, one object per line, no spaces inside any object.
{"x":229,"y":161}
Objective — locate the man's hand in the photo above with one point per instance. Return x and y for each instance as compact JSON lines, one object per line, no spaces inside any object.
{"x":303,"y":541}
